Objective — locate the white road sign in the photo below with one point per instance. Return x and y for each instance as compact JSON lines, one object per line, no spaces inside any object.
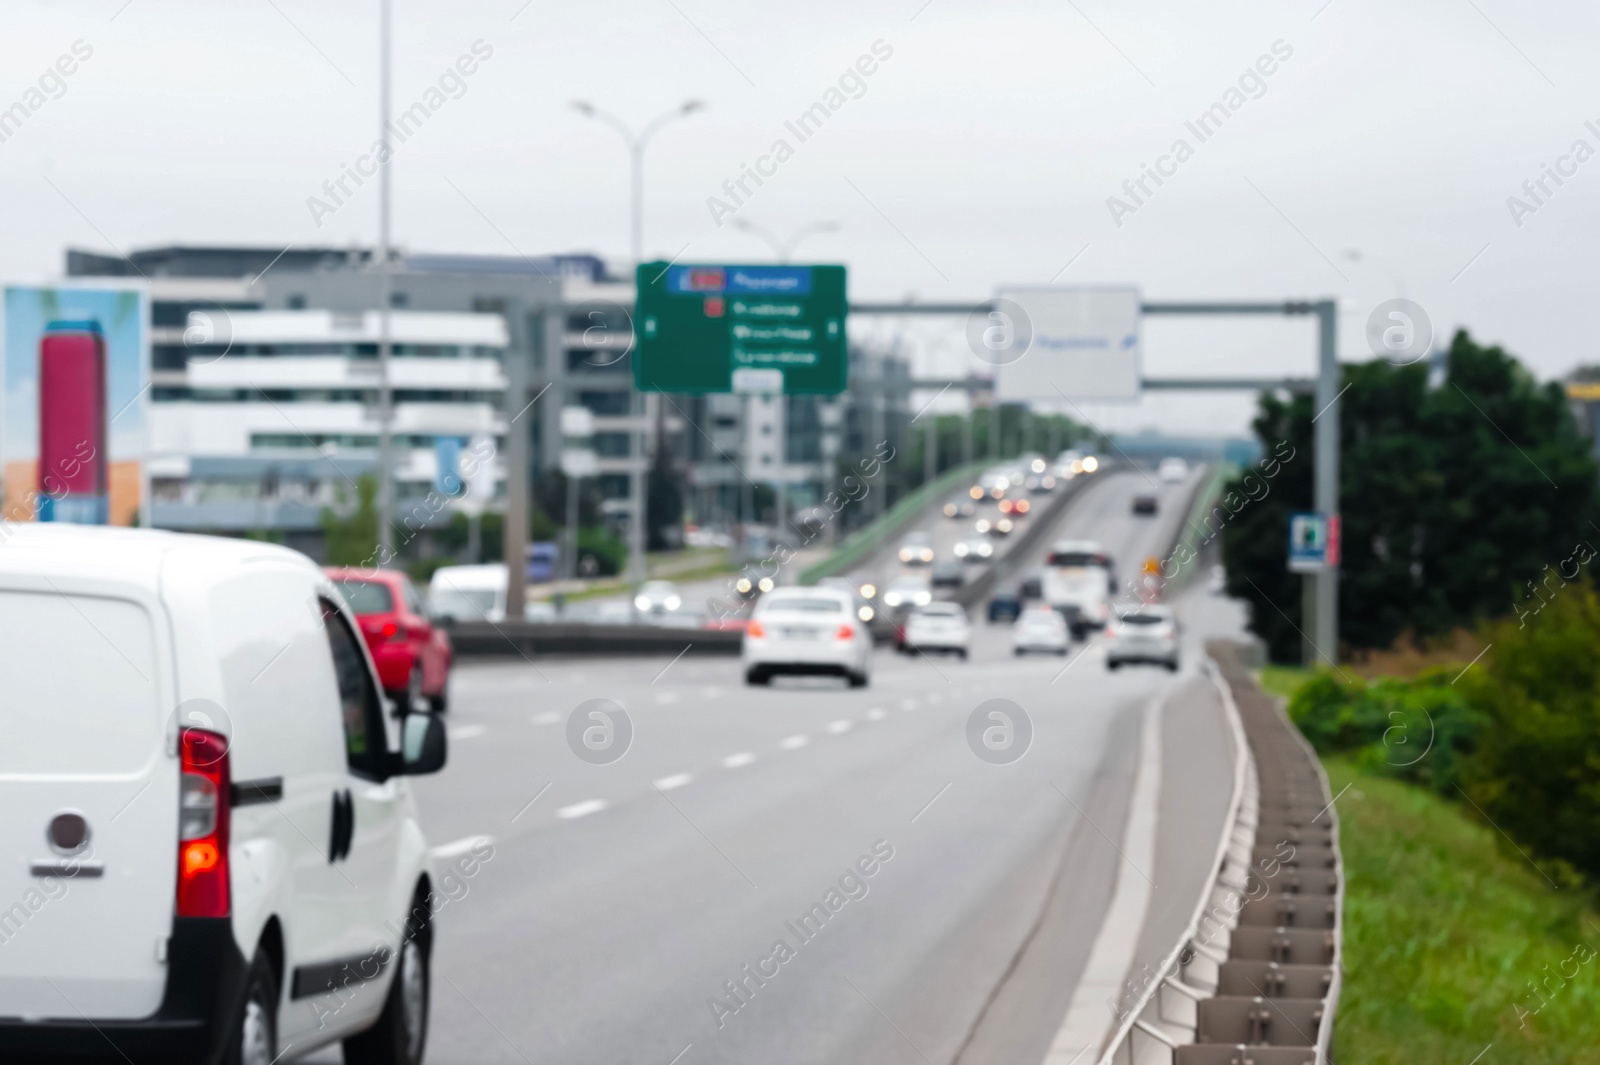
{"x":1081,"y":343}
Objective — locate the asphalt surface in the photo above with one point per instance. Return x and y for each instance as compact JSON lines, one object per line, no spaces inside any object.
{"x":621,"y":899}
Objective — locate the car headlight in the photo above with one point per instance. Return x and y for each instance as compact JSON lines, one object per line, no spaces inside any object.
{"x":891,"y":598}
{"x":765,"y":584}
{"x":1091,"y":464}
{"x":924,"y":598}
{"x":1038,"y":465}
{"x":1004,"y":525}
{"x":673,"y":602}
{"x":976,"y":491}
{"x":983,"y":525}
{"x":905,"y":554}
{"x":743,"y":586}
{"x":642,"y":602}
{"x":997,"y":492}
{"x":927,"y":554}
{"x":961,"y":550}
{"x":866,"y":613}
{"x":868,"y":591}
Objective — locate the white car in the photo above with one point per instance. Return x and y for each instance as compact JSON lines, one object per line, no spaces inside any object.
{"x":1040,"y":629}
{"x":477,"y":593}
{"x":906,"y":591}
{"x":938,"y":627}
{"x":1173,"y":470}
{"x":657,"y":597}
{"x":1142,"y":632}
{"x":807,"y":631}
{"x":211,"y":847}
{"x":1079,"y":594}
{"x":974,"y":549}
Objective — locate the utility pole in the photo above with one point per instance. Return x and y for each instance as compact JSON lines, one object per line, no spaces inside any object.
{"x":385,"y":298}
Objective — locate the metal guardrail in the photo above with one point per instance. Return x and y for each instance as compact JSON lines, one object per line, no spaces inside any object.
{"x":528,"y":638}
{"x":1258,"y":970}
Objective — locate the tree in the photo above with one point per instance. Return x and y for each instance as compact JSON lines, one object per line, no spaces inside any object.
{"x":352,"y":539}
{"x":1453,"y":498}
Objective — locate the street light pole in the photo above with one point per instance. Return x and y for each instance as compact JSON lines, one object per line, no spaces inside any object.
{"x":385,"y":297}
{"x":636,"y":145}
{"x":782,"y":249}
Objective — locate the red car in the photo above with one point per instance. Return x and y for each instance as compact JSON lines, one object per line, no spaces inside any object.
{"x":412,"y":654}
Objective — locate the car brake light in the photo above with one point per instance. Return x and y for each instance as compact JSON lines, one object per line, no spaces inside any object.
{"x":203,"y":809}
{"x":845,"y":633}
{"x":392,"y":631}
{"x":755,"y":629}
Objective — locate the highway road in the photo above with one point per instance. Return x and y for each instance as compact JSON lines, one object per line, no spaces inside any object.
{"x":623,"y":902}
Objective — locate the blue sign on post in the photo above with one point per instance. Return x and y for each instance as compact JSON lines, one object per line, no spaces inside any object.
{"x":1309,"y":543}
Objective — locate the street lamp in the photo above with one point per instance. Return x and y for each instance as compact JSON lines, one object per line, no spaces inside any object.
{"x":636,"y":143}
{"x":783,"y":249}
{"x":636,"y":146}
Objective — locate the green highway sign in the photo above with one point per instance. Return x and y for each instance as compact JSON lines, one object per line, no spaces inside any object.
{"x":740,"y":329}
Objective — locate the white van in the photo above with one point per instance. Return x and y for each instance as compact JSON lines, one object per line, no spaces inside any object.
{"x":211,"y":850}
{"x":468,"y":593}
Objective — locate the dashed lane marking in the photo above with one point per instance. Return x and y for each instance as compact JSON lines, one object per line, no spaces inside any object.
{"x":581,"y":809}
{"x":676,"y":780}
{"x":734,"y":761}
{"x":459,"y":847}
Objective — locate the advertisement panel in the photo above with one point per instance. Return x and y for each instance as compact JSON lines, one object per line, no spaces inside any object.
{"x":75,"y":371}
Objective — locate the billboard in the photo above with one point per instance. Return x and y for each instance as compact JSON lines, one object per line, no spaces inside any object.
{"x":1049,"y":342}
{"x":75,"y":371}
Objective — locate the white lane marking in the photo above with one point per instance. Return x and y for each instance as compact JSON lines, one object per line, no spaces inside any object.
{"x":676,"y":780}
{"x":876,"y":714}
{"x":734,"y":761}
{"x":668,"y":697}
{"x":794,"y":743}
{"x":1117,"y":942}
{"x":459,"y":847}
{"x":549,"y":717}
{"x":467,"y":732}
{"x":581,"y":809}
{"x":840,"y":726}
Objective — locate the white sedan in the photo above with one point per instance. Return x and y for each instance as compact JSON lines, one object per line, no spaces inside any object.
{"x":938,"y":627}
{"x":1040,"y":629}
{"x":807,"y":631}
{"x":1142,"y":632}
{"x":974,"y":549}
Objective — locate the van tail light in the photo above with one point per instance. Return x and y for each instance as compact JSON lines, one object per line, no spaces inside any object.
{"x":756,"y":629}
{"x":845,"y":632}
{"x":203,"y":808}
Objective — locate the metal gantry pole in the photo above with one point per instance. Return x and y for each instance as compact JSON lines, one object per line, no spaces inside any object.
{"x":1325,"y":488}
{"x":385,"y":298}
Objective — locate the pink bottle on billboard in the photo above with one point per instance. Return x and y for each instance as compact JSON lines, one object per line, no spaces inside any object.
{"x":74,"y":456}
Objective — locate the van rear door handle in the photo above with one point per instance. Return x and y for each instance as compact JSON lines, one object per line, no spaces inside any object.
{"x":344,"y":826}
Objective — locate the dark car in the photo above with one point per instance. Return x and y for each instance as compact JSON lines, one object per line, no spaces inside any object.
{"x":1032,"y":587}
{"x":1145,"y":504}
{"x":948,"y":575}
{"x":1005,"y":604}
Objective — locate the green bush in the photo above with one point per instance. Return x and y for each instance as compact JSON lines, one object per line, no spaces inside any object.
{"x":608,"y":552}
{"x":1420,"y":730}
{"x":1536,"y":771}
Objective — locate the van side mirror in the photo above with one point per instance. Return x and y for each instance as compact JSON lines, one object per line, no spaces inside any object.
{"x":422,"y":744}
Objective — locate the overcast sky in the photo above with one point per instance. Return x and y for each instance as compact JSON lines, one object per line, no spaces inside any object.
{"x":981,"y":152}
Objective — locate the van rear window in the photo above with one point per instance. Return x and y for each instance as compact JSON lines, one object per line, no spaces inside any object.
{"x":78,"y":683}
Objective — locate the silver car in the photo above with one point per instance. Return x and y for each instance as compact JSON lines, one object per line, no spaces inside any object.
{"x":1142,"y":632}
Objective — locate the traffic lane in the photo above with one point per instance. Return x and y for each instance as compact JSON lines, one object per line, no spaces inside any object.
{"x":645,"y":861}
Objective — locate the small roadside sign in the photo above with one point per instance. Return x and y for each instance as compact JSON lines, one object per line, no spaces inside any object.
{"x":1313,"y":542}
{"x":711,"y":328}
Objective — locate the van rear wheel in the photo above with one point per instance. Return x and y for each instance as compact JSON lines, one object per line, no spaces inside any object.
{"x":401,"y":1031}
{"x":255,"y":1037}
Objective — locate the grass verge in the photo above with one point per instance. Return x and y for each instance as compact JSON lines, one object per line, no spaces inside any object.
{"x":1453,"y":942}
